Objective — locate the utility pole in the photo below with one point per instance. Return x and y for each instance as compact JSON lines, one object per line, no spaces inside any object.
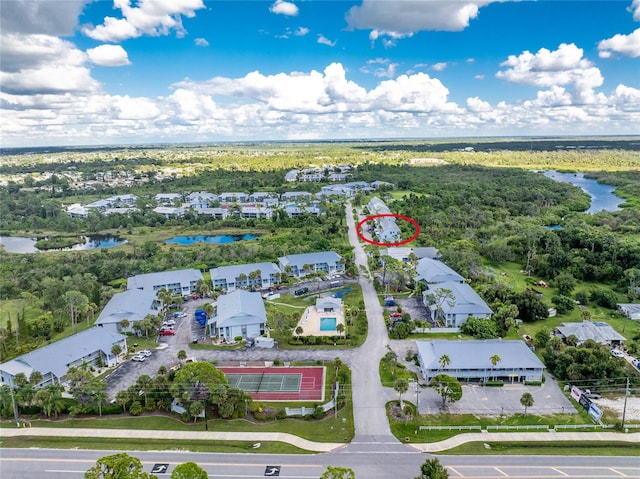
{"x":624,"y":410}
{"x":417,"y":405}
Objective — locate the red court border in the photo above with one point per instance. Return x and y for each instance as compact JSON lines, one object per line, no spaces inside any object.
{"x":317,"y":373}
{"x":387,"y":215}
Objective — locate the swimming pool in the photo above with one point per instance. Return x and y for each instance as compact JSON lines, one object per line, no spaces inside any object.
{"x":328,"y":324}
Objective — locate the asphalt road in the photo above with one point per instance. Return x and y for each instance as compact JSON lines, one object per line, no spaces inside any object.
{"x":59,"y":464}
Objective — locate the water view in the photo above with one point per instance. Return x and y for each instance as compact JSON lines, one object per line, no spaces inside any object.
{"x":24,"y":245}
{"x":603,"y":197}
{"x":217,"y":239}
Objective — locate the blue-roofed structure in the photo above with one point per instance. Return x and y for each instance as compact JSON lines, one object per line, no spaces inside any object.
{"x":300,"y":265}
{"x":463,"y":304}
{"x":182,"y":281}
{"x":386,"y":229}
{"x":54,"y":360}
{"x":231,"y":277}
{"x":133,"y":305}
{"x":239,"y":313}
{"x":471,"y":360}
{"x":434,"y":271}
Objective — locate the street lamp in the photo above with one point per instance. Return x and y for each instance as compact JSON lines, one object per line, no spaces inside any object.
{"x":417,"y":404}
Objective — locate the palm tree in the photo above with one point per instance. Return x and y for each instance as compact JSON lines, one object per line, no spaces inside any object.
{"x":124,"y":324}
{"x":401,"y":386}
{"x":162,"y":370}
{"x":242,"y":278}
{"x":116,"y":350}
{"x":444,"y":360}
{"x":299,"y":331}
{"x":164,"y":296}
{"x":182,"y":355}
{"x":35,"y":378}
{"x":495,"y":359}
{"x":340,"y":328}
{"x":50,"y":399}
{"x":527,"y":401}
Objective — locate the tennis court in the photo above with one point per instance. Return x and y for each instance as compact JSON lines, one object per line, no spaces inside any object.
{"x":279,"y":383}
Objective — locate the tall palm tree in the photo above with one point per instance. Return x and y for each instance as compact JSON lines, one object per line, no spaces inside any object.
{"x":340,"y":328}
{"x":401,"y":386}
{"x":182,"y":355}
{"x":444,"y":360}
{"x":124,"y":324}
{"x":116,"y":350}
{"x":495,"y":359}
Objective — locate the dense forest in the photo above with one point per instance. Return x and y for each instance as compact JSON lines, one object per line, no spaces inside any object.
{"x":474,"y":214}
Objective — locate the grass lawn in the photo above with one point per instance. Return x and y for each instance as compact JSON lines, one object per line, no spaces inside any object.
{"x":10,"y":308}
{"x":150,"y":445}
{"x":551,"y":448}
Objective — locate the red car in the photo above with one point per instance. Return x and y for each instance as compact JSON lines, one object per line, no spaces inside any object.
{"x":167,"y":332}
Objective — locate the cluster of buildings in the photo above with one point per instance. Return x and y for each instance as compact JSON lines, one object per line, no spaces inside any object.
{"x":314,"y":174}
{"x":256,"y":205}
{"x":385,"y":227}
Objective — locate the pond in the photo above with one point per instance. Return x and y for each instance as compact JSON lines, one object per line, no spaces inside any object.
{"x":217,"y":239}
{"x":602,"y":196}
{"x":23,"y":245}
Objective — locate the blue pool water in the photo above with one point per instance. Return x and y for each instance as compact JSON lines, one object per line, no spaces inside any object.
{"x":341,"y":292}
{"x":328,"y":324}
{"x":217,"y":239}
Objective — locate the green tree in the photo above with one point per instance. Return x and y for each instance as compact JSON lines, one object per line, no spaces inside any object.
{"x":335,"y":472}
{"x":444,"y":360}
{"x":401,"y":386}
{"x":49,"y":398}
{"x":565,"y":283}
{"x":116,"y":350}
{"x":432,"y":469}
{"x":495,"y":359}
{"x":447,"y":387}
{"x":480,"y":328}
{"x":196,"y":409}
{"x":118,"y":466}
{"x":182,"y":355}
{"x":189,"y":470}
{"x":35,"y":378}
{"x":78,"y":303}
{"x":527,"y":401}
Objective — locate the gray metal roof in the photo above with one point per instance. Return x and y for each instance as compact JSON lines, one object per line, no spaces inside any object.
{"x":230,"y":273}
{"x":238,"y":308}
{"x":133,"y":304}
{"x":434,"y":271}
{"x":467,"y":301}
{"x":320,"y":257}
{"x":56,"y":357}
{"x":149,"y":280}
{"x":476,"y":354}
{"x":598,"y":331}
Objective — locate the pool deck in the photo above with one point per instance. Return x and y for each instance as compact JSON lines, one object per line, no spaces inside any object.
{"x":310,"y":321}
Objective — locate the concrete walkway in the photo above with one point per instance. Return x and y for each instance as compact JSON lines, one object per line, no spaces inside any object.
{"x":432,"y":447}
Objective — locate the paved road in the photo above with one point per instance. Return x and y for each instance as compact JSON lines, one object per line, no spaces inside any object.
{"x":63,"y":464}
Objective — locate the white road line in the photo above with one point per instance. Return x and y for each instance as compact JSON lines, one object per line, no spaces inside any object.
{"x":501,"y":472}
{"x":618,"y":472}
{"x":560,"y":472}
{"x":454,"y":471}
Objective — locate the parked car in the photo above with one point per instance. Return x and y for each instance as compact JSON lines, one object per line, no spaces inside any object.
{"x":167,"y":332}
{"x":301,"y":291}
{"x":617,"y":353}
{"x":146,"y":353}
{"x":138,"y":357}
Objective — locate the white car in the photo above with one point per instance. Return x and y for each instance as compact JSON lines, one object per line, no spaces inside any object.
{"x":617,"y":353}
{"x":139,"y":358}
{"x":145,"y":353}
{"x":170,"y":322}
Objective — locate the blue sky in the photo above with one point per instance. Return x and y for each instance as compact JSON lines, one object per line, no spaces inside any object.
{"x":76,"y":72}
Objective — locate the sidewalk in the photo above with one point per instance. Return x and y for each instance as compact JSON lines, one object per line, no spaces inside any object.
{"x":432,"y":447}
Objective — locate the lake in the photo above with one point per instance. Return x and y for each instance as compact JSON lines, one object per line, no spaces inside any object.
{"x":216,"y":239}
{"x":603,"y":197}
{"x":23,"y":245}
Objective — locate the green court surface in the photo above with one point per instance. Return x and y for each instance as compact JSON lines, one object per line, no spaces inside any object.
{"x":266,"y":382}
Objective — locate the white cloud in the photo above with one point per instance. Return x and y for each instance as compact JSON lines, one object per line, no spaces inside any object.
{"x":42,"y":64}
{"x":388,"y":72}
{"x":564,"y":66}
{"x":298,"y":105}
{"x":281,"y":7}
{"x":635,"y":10}
{"x":402,"y":18}
{"x":46,"y":17}
{"x":301,"y":31}
{"x":325,"y":41}
{"x":439,"y":66}
{"x":150,"y":17}
{"x":627,"y":45}
{"x":201,"y":42}
{"x":109,"y":56}
{"x":479,"y":76}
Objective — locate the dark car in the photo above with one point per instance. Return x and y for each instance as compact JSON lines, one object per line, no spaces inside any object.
{"x":301,"y":291}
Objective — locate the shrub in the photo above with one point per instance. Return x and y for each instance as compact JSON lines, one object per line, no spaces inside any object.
{"x":533,"y":383}
{"x":494,"y":384}
{"x":135,"y":409}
